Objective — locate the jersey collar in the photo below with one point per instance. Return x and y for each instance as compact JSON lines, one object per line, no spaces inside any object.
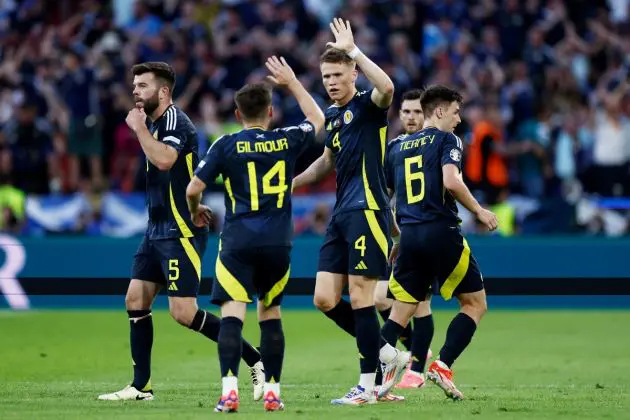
{"x":163,"y":113}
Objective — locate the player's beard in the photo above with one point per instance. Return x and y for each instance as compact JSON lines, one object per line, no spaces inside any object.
{"x":150,"y":104}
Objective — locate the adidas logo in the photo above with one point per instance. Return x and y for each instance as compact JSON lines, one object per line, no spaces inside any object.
{"x":172,"y":287}
{"x":361,"y":266}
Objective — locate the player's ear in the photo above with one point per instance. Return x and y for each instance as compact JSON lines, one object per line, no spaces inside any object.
{"x":439,"y":112}
{"x":238,"y":115}
{"x":355,"y":73}
{"x":270,"y":112}
{"x":164,"y":91}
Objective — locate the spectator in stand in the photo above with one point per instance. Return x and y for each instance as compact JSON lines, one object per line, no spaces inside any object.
{"x":78,"y":89}
{"x":69,"y":59}
{"x":29,"y":158}
{"x":611,"y":150}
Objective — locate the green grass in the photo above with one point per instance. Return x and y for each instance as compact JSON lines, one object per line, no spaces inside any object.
{"x":520,"y":365}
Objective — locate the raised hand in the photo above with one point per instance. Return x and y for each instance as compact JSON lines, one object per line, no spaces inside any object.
{"x":281,"y":73}
{"x":136,"y":118}
{"x":344,"y":40}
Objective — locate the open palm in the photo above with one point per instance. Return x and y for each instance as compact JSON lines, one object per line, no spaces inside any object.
{"x":281,"y":73}
{"x":344,"y":40}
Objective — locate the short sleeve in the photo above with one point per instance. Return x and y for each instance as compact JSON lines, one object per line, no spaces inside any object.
{"x":210,"y":166}
{"x":172,"y":132}
{"x":452,"y":151}
{"x":365,"y":98}
{"x":300,"y":137}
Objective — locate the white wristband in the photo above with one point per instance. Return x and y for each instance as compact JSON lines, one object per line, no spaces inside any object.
{"x":355,"y":51}
{"x":396,"y":240}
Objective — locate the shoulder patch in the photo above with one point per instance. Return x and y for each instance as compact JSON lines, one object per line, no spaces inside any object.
{"x":306,"y":127}
{"x":455,"y":155}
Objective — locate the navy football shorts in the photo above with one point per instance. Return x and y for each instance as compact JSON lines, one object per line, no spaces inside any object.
{"x":174,"y":263}
{"x":357,"y":242}
{"x":429,"y":252}
{"x":241,"y":274}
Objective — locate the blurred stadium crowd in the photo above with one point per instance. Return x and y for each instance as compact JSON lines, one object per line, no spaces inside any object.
{"x":546,"y":86}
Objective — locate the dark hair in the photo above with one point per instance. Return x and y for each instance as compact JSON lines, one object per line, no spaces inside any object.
{"x":411,"y":95}
{"x":333,"y":55}
{"x":252,"y":100}
{"x":162,"y":72}
{"x":437,"y":95}
{"x":73,"y":53}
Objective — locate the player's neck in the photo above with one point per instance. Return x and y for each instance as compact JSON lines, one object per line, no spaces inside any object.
{"x":263,"y":125}
{"x":160,"y":110}
{"x":432,"y":124}
{"x":347,"y":98}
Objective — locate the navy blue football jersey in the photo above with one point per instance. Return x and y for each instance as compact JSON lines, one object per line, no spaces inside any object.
{"x":414,"y":173}
{"x":257,"y":166}
{"x":357,"y":136}
{"x":166,"y":190}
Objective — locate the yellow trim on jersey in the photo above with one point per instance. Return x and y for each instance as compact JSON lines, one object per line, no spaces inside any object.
{"x":277,"y":288}
{"x":382,"y":132}
{"x":376,"y":230}
{"x":400,"y":294}
{"x":189,"y":157}
{"x":192,"y":255}
{"x":183,"y":227}
{"x":369,"y":197}
{"x":229,"y":283}
{"x":228,"y":188}
{"x":457,"y":275}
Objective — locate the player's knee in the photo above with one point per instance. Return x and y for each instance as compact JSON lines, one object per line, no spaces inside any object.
{"x":361,"y":300}
{"x":361,"y":293}
{"x":266,"y":314}
{"x":183,"y":314}
{"x":382,"y":303}
{"x":482,"y":307}
{"x":134,"y":301}
{"x":324,"y":302}
{"x":423,"y":309}
{"x":475,"y":306}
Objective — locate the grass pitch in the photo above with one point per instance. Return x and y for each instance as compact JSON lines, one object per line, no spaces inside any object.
{"x":528,"y":364}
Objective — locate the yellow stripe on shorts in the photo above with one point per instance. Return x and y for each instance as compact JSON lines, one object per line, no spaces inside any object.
{"x":458,"y":273}
{"x":230,"y":284}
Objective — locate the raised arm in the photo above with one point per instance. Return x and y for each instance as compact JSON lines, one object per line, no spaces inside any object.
{"x":282,"y":75}
{"x":159,"y":154}
{"x":383,"y":92}
{"x":317,"y":171}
